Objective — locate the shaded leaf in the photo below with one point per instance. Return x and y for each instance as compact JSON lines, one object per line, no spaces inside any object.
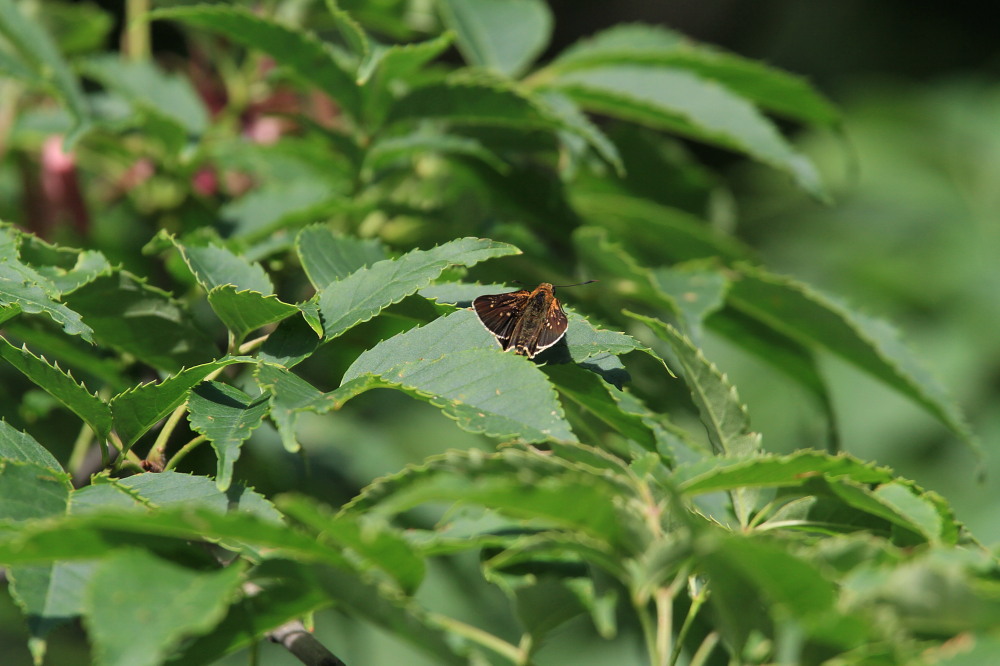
{"x":290,"y":394}
{"x":595,"y":397}
{"x":245,"y":311}
{"x":138,"y":409}
{"x":117,"y":600}
{"x":723,"y":415}
{"x":379,"y":545}
{"x":226,"y":416}
{"x":289,"y":591}
{"x":525,"y":484}
{"x":134,"y":317}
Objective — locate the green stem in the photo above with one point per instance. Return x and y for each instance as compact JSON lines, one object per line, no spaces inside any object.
{"x":664,"y":625}
{"x":80,"y":447}
{"x":137,"y":40}
{"x":159,"y":449}
{"x":697,"y":601}
{"x":183,"y":451}
{"x":479,"y":636}
{"x":705,"y":649}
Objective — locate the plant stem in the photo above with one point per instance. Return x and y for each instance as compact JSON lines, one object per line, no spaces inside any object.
{"x":80,"y":447}
{"x":479,"y":636}
{"x":159,"y":449}
{"x":183,"y":451}
{"x":705,"y":649}
{"x":136,"y":45}
{"x":697,"y":600}
{"x":664,"y":625}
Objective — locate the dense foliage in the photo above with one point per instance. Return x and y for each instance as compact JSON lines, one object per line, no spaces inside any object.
{"x":211,"y":260}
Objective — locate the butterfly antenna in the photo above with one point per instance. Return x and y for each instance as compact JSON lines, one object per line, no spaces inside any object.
{"x":563,"y":286}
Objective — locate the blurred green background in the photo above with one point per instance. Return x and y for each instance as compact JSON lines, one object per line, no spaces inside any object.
{"x":912,"y":236}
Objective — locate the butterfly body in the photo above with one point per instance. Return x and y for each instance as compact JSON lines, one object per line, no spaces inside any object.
{"x":526,"y":321}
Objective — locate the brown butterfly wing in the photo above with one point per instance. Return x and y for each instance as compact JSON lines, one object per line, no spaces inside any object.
{"x":553,"y":329}
{"x":500,"y":314}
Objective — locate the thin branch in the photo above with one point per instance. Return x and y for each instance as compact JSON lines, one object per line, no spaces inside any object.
{"x":184,"y":450}
{"x":295,"y":638}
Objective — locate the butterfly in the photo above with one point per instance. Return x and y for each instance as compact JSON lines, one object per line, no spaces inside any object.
{"x":526,"y":321}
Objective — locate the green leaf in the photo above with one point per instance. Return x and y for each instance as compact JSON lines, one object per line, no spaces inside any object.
{"x":673,"y":233}
{"x":292,"y":341}
{"x":300,"y":51}
{"x":584,"y":343}
{"x":30,"y":490}
{"x":787,"y":355}
{"x":455,"y":364}
{"x":503,"y":35}
{"x":290,"y":395}
{"x":524,"y":484}
{"x":95,"y":534}
{"x":37,"y":50}
{"x":596,"y":397}
{"x":579,"y":129}
{"x":134,"y":317}
{"x":762,"y":471}
{"x":117,"y":603}
{"x":138,"y":409}
{"x":388,"y":151}
{"x":388,"y":66}
{"x":288,"y":591}
{"x":226,"y":416}
{"x":216,"y":266}
{"x":170,"y":96}
{"x":353,"y":34}
{"x":170,"y":489}
{"x":723,"y":415}
{"x":245,"y":311}
{"x":803,"y":314}
{"x":25,"y":288}
{"x":20,"y":446}
{"x":61,"y":386}
{"x":478,"y":102}
{"x":400,"y":616}
{"x":747,"y":570}
{"x":327,"y":257}
{"x":698,"y":290}
{"x":49,"y":595}
{"x":378,"y":545}
{"x":366,"y":292}
{"x":282,"y":204}
{"x":656,"y":46}
{"x":682,"y":102}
